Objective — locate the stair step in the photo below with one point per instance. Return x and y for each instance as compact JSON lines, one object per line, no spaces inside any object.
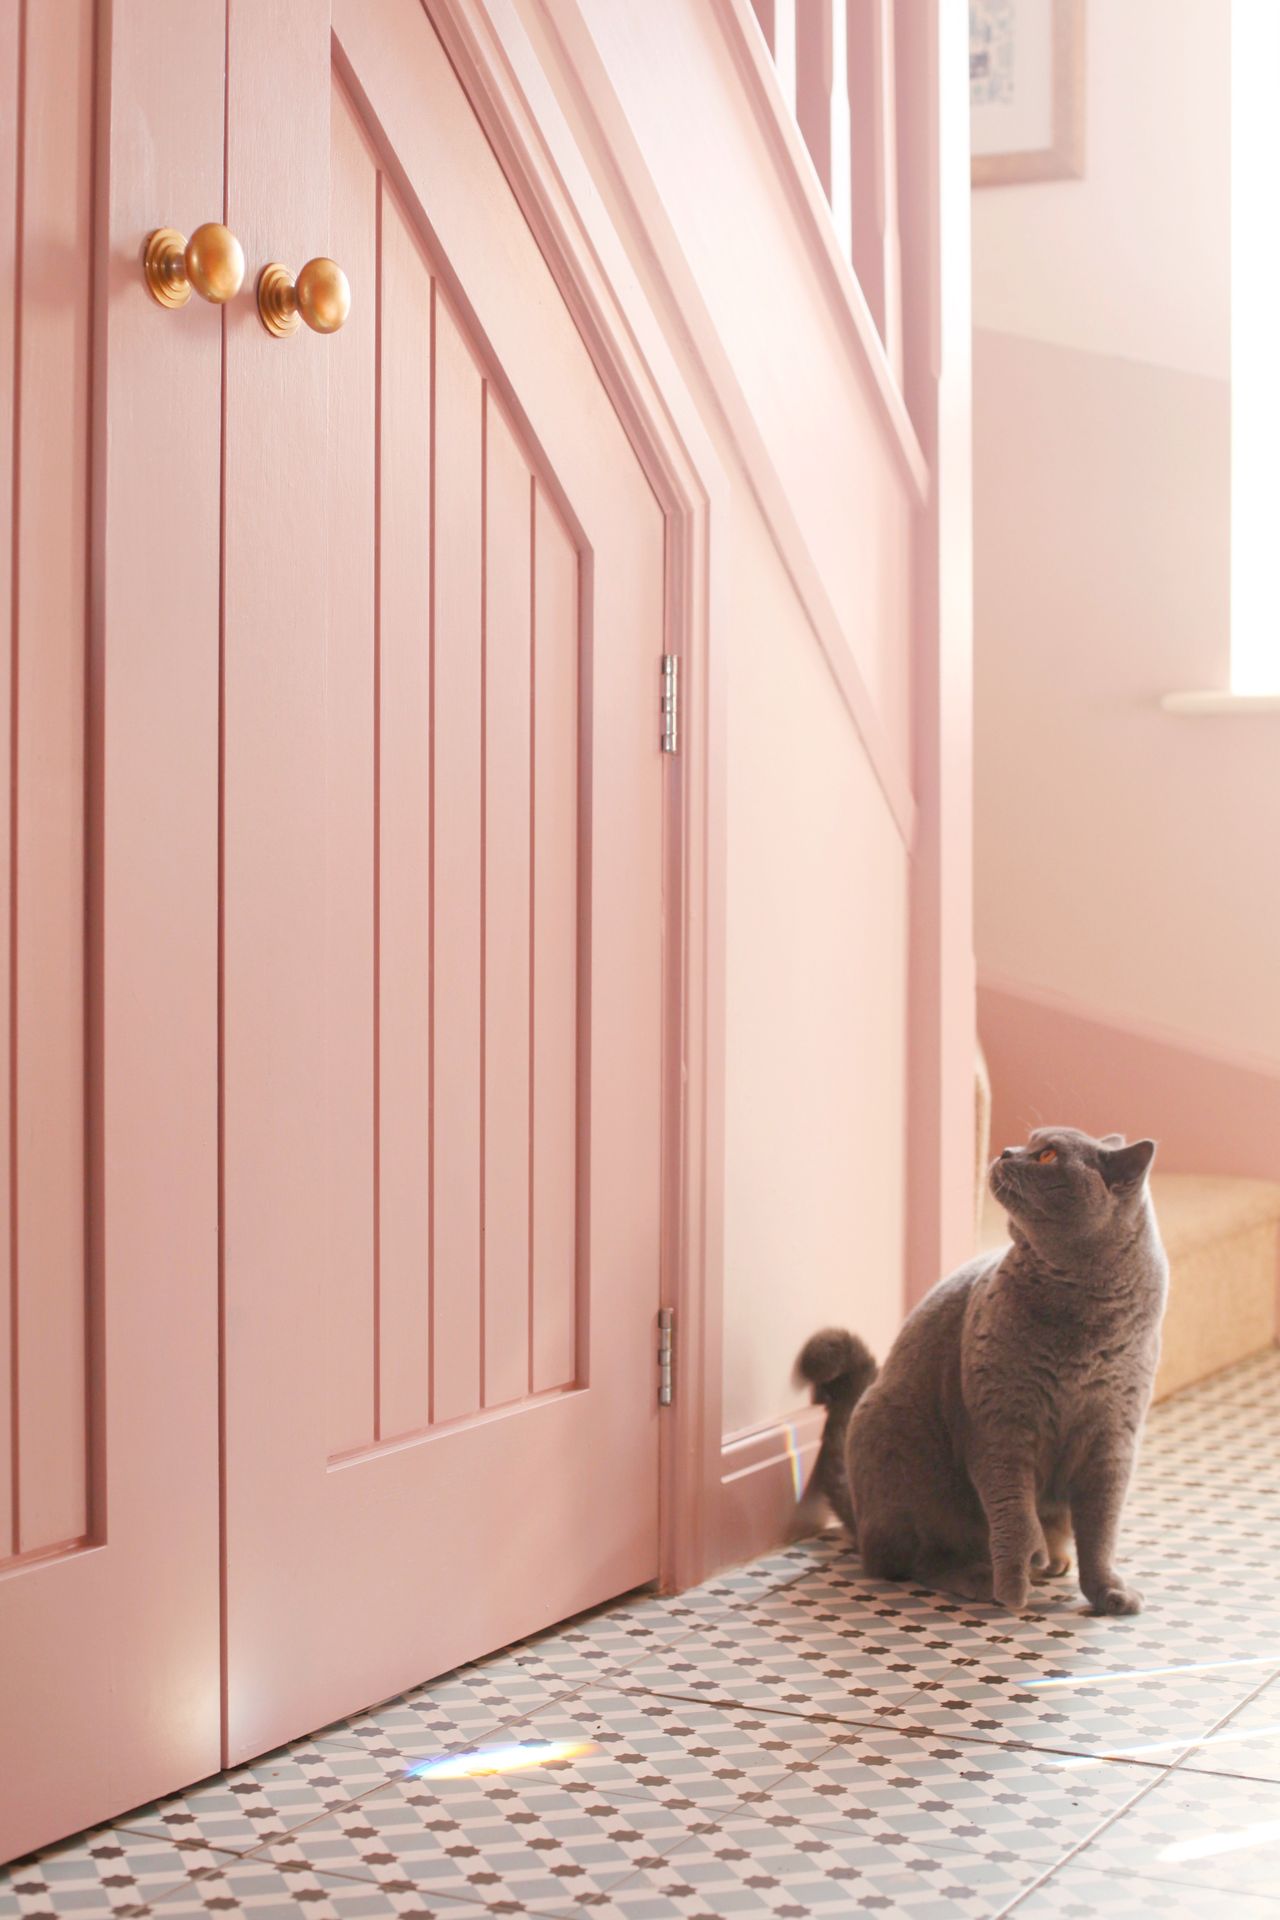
{"x":1223,"y":1241}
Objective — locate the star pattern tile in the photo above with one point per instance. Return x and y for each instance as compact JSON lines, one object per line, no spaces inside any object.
{"x":791,"y":1739}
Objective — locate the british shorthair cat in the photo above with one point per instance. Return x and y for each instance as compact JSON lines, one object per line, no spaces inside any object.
{"x":1006,"y":1417}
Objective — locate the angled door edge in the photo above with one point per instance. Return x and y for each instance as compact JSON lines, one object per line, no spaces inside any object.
{"x":515,"y":102}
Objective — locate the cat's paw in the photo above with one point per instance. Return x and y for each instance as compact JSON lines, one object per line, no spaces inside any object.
{"x":1013,"y":1590}
{"x":1116,"y":1599}
{"x":1053,"y":1571}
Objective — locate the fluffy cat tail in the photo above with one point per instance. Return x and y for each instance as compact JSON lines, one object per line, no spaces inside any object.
{"x":838,"y":1368}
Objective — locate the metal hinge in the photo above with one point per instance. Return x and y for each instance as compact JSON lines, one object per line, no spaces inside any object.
{"x":666,"y":1353}
{"x":670,"y":702}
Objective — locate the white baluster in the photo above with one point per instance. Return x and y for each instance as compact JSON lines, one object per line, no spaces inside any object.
{"x":822,"y":101}
{"x":876,"y":250}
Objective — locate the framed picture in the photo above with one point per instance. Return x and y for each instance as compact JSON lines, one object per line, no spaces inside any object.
{"x":1026,"y":90}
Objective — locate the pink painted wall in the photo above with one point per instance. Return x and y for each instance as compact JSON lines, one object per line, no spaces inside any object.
{"x":817,"y":560}
{"x":1125,"y":857}
{"x":815,"y":1106}
{"x":1133,"y":258}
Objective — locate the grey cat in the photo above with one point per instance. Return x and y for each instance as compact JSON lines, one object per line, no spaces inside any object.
{"x":1008,"y":1411}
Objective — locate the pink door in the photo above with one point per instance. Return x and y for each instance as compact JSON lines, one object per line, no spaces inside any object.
{"x":442,"y":874}
{"x":109,"y":454}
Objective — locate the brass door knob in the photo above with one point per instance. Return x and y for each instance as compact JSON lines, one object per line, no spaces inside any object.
{"x":321,"y":295}
{"x":210,"y":263}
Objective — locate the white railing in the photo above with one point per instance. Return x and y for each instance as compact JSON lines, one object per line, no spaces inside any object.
{"x":835,"y":65}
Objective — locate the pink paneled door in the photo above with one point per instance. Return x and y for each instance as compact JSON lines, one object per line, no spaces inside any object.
{"x":330,"y":1017}
{"x":442,"y":929}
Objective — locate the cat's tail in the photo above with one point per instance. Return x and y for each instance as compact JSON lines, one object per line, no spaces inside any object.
{"x":838,"y":1368}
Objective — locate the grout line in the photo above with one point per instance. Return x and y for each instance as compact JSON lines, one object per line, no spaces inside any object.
{"x":912,"y":1730}
{"x":1103,"y":1826}
{"x":1072,"y":1853}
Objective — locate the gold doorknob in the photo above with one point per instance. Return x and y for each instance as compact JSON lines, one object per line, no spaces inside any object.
{"x":210,"y":263}
{"x":321,"y":295}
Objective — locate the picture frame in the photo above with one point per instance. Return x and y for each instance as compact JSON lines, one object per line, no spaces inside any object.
{"x":1026,"y":91}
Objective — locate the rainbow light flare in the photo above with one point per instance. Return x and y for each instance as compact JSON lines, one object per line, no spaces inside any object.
{"x":791,"y":1441}
{"x":506,"y":1759}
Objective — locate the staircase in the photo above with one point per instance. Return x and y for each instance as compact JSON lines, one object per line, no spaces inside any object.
{"x":1223,"y":1241}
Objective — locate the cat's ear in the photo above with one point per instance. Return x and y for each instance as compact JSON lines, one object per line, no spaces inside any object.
{"x":1127,"y":1166}
{"x":1111,"y":1140}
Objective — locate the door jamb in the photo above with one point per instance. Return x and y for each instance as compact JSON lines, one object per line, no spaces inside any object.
{"x":514,"y":98}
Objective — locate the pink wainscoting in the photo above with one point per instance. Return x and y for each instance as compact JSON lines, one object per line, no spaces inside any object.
{"x":763,"y":1474}
{"x":1053,"y":1060}
{"x":682,"y":116}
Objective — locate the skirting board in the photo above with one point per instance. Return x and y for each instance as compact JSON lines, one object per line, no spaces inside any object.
{"x":1054,"y":1063}
{"x":762,"y":1476}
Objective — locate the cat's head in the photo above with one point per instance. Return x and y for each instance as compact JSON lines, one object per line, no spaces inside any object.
{"x":1064,"y":1187}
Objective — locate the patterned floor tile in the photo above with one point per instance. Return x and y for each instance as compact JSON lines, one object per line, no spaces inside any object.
{"x":685,"y":1754}
{"x":907,"y":1659}
{"x":483,"y":1841}
{"x":596,"y":1644}
{"x":255,"y":1804}
{"x":454,"y":1713}
{"x":794,"y":1739}
{"x":895,"y":1789}
{"x":267,"y":1892}
{"x":1197,"y":1827}
{"x":100,"y":1873}
{"x":1248,"y":1744}
{"x":1075,"y":1892}
{"x":754,"y":1869}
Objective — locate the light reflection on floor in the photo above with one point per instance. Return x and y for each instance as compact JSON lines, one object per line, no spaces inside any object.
{"x":514,"y":1757}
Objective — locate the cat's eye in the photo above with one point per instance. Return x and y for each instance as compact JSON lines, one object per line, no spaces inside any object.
{"x":1047,"y":1156}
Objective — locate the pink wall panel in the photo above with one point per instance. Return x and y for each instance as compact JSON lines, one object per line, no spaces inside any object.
{"x":457,"y":948}
{"x":507,"y":903}
{"x":349,"y":792}
{"x":9,"y":108}
{"x":555,"y":944}
{"x":48,"y":723}
{"x":405,"y":813}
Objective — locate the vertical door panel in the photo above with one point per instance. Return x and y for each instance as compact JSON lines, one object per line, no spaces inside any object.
{"x":275,"y":1003}
{"x":508,"y":818}
{"x":110,"y":885}
{"x":555,"y":950}
{"x":350,"y":819}
{"x":10,"y":124}
{"x":48,"y":778}
{"x":404,"y":829}
{"x":457,"y":642}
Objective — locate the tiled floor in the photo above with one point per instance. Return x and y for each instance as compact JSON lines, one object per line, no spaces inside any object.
{"x":793,"y":1740}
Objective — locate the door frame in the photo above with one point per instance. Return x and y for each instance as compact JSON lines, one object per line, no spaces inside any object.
{"x":514,"y":99}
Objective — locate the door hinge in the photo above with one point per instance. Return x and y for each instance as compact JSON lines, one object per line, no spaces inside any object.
{"x":670,"y":703}
{"x":666,"y":1353}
